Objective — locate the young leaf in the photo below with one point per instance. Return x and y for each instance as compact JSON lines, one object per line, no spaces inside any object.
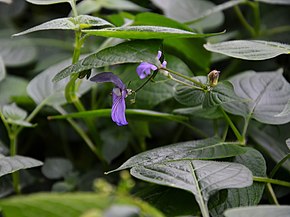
{"x":69,"y":205}
{"x":259,"y":211}
{"x":2,"y":69}
{"x":41,"y":88}
{"x":15,"y":115}
{"x":69,"y":23}
{"x":15,"y":163}
{"x":145,"y":32}
{"x":267,"y":94}
{"x":200,"y":149}
{"x":202,"y":178}
{"x":249,"y":49}
{"x":127,"y":52}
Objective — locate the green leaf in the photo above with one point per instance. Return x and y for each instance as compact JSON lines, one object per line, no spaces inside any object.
{"x":202,"y":178}
{"x":249,"y":49}
{"x":220,"y":94}
{"x":199,"y":111}
{"x":17,"y":52}
{"x":145,"y":32}
{"x":189,"y":11}
{"x":139,"y":114}
{"x":15,"y":115}
{"x":2,"y":69}
{"x":15,"y":163}
{"x":248,"y":196}
{"x":153,"y":19}
{"x":199,"y":149}
{"x":69,"y":23}
{"x":69,"y":205}
{"x":42,"y":90}
{"x":259,"y":211}
{"x":56,"y":168}
{"x":48,"y":2}
{"x":127,"y":52}
{"x":266,"y":95}
{"x":19,"y":88}
{"x":278,"y":2}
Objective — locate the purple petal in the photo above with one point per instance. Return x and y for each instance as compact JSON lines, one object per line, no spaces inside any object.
{"x":164,"y":64}
{"x":109,"y":77}
{"x":144,"y":69}
{"x":159,"y":54}
{"x":119,"y":107}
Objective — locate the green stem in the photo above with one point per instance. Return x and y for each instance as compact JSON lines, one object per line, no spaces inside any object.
{"x":203,"y":86}
{"x":13,"y":152}
{"x":276,"y":168}
{"x":233,"y":127}
{"x":276,"y":30}
{"x":243,"y":21}
{"x":247,"y":121}
{"x":272,"y":181}
{"x":272,"y":194}
{"x":256,"y":10}
{"x":73,"y":7}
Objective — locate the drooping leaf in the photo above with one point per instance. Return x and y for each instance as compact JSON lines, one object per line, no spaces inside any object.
{"x":41,"y":88}
{"x":127,"y":52}
{"x":2,"y":69}
{"x":248,"y":196}
{"x":47,"y":2}
{"x":69,"y":205}
{"x":19,"y":88}
{"x":202,"y":178}
{"x":278,"y":2}
{"x":189,"y":11}
{"x":69,"y":23}
{"x":259,"y":211}
{"x":266,"y":95}
{"x":56,"y":168}
{"x":200,"y":149}
{"x":15,"y":163}
{"x":145,"y":32}
{"x":249,"y":49}
{"x":17,"y":52}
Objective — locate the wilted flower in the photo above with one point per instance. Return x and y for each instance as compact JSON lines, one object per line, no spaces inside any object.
{"x":213,"y":77}
{"x":144,"y":69}
{"x":119,"y":94}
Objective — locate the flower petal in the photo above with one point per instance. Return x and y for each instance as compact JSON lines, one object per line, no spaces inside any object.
{"x":109,"y":77}
{"x":119,"y":107}
{"x":144,"y":69}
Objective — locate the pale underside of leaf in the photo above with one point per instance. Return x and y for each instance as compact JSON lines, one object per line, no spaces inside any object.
{"x":249,"y":49}
{"x":15,"y":163}
{"x":278,"y":2}
{"x":2,"y":69}
{"x":47,"y":2}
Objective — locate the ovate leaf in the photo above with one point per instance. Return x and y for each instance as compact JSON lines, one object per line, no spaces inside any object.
{"x":127,"y":52}
{"x":15,"y":163}
{"x":145,"y":32}
{"x":200,"y":149}
{"x":266,"y":95}
{"x":259,"y":211}
{"x":202,"y":178}
{"x":69,"y":23}
{"x":249,"y":49}
{"x":41,"y":88}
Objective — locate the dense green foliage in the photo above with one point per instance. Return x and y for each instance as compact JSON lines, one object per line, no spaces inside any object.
{"x":200,"y":112}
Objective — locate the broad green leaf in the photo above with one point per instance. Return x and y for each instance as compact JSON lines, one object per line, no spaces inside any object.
{"x":15,"y":115}
{"x":266,"y":95}
{"x":17,"y":52}
{"x":19,"y":88}
{"x":15,"y":163}
{"x":249,"y":49}
{"x":69,"y":205}
{"x":199,"y":149}
{"x":202,"y":178}
{"x":42,"y":90}
{"x":2,"y":69}
{"x":190,"y":11}
{"x":248,"y":196}
{"x":56,"y":168}
{"x":278,"y":2}
{"x":259,"y":211}
{"x":69,"y":23}
{"x":153,"y":19}
{"x":127,"y":52}
{"x":220,"y":94}
{"x":48,"y":2}
{"x":145,"y":32}
{"x":139,"y":114}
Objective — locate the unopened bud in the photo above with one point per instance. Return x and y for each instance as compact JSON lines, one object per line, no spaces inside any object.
{"x":213,"y":78}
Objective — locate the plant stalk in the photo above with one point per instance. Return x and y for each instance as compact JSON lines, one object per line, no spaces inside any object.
{"x":272,"y":181}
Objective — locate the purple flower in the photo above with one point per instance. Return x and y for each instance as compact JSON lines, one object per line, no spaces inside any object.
{"x":144,"y":69}
{"x":119,"y":93}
